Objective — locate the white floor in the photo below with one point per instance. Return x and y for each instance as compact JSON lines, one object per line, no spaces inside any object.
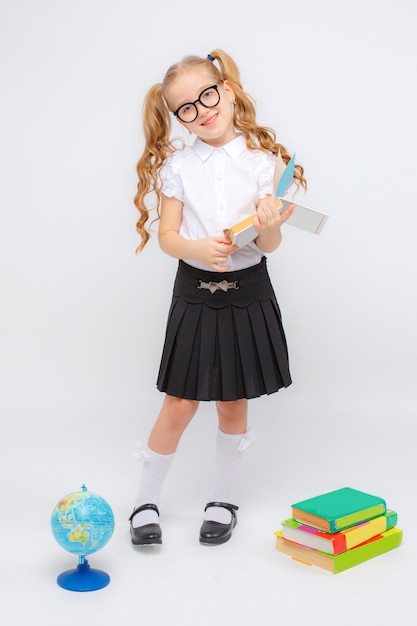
{"x":243,"y":582}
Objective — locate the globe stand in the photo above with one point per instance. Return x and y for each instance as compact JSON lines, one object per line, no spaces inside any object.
{"x":83,"y":578}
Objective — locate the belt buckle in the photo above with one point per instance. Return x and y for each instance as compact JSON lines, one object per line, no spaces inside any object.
{"x":212,"y":286}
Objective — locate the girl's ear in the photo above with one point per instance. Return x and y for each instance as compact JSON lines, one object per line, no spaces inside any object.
{"x":228,"y":89}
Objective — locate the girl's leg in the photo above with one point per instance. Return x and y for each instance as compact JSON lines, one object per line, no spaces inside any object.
{"x":233,"y":416}
{"x":174,"y":417}
{"x":231,"y":440}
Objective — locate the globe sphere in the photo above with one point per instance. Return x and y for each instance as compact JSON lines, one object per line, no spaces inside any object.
{"x":82,"y":522}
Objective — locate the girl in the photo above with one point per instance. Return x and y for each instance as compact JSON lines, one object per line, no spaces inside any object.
{"x":224,"y":338}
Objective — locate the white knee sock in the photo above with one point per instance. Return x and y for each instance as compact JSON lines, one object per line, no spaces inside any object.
{"x":154,"y":471}
{"x":228,"y":456}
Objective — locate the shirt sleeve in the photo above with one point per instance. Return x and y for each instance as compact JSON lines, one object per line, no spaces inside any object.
{"x":171,"y":183}
{"x":266,"y":174}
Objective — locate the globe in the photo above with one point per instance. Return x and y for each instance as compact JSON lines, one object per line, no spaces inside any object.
{"x":82,"y":523}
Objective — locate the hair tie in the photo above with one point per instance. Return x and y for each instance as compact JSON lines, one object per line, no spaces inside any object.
{"x":210,"y":58}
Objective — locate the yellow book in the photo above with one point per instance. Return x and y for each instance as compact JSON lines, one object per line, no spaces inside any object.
{"x":336,"y":563}
{"x":335,"y":543}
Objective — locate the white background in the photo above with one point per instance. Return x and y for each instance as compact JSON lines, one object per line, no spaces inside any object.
{"x":82,"y":317}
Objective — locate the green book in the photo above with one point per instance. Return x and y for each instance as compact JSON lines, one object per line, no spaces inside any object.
{"x":339,"y":509}
{"x":336,"y":563}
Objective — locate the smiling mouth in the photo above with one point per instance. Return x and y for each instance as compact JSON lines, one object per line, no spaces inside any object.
{"x":210,"y":120}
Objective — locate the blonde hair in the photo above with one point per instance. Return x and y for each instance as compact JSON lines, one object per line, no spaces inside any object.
{"x":157,"y":130}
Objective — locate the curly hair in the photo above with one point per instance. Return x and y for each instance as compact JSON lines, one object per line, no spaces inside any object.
{"x":157,"y":131}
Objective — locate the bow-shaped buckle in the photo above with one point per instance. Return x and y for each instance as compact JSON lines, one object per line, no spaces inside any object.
{"x":224,"y":285}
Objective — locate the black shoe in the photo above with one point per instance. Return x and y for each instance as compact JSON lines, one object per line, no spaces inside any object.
{"x":148,"y":534}
{"x":215,"y":533}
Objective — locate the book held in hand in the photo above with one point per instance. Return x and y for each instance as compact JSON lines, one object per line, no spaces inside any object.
{"x":376,"y":546}
{"x":241,"y":233}
{"x":303,"y":217}
{"x":339,"y":509}
{"x":337,"y":543}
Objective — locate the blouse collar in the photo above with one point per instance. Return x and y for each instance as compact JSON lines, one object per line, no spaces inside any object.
{"x":234,"y":148}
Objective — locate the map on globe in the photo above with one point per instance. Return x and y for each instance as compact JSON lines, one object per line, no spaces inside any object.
{"x":82,"y":522}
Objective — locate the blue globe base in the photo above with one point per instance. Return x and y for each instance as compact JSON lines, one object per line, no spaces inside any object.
{"x":83,"y":578}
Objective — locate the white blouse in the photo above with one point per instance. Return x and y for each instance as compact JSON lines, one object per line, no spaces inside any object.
{"x":218,"y":187}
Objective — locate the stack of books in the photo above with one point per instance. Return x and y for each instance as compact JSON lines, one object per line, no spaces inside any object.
{"x":339,"y":529}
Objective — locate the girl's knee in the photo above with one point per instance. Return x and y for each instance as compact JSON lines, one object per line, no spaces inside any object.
{"x":229,"y":410}
{"x":181,"y":409}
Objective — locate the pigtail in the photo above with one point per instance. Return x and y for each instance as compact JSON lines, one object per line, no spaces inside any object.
{"x":157,"y":130}
{"x":257,"y":137}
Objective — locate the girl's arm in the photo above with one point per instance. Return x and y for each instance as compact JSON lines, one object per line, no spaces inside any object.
{"x":211,"y":251}
{"x":268,"y":221}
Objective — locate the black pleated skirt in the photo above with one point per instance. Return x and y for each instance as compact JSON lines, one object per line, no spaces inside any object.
{"x":223,"y":345}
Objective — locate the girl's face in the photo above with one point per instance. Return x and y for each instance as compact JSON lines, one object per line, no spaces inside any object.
{"x":212,"y":125}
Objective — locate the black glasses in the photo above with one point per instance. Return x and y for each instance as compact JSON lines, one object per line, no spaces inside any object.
{"x":188,"y":112}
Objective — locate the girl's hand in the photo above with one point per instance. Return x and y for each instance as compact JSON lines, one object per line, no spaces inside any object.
{"x":268,"y":221}
{"x":268,"y":216}
{"x":214,"y":251}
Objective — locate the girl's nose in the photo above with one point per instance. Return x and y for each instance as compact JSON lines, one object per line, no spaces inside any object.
{"x":202,"y":110}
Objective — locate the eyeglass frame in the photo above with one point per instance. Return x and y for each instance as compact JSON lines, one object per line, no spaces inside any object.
{"x":176,"y":112}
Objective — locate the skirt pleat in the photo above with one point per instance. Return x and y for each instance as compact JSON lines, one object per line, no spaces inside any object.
{"x":226,"y":347}
{"x":230,"y":364}
{"x":248,"y":356}
{"x":178,"y":354}
{"x":207,"y":349}
{"x":277,"y":340}
{"x":266,"y":367}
